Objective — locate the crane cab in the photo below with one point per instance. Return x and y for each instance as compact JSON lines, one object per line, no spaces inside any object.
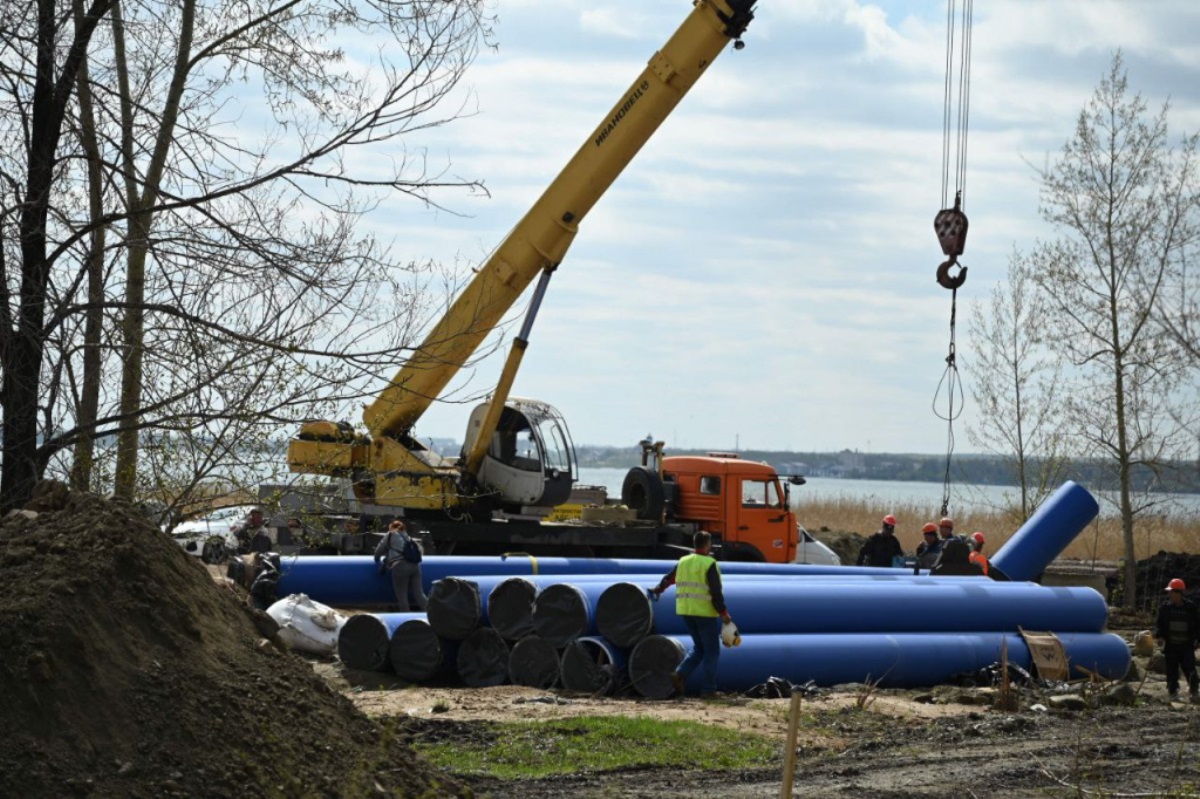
{"x":530,"y":462}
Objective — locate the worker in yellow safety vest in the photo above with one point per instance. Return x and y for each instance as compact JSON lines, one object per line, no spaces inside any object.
{"x":699,"y":601}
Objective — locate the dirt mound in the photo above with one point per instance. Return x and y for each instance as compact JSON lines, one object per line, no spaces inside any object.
{"x":126,"y":671}
{"x":1154,"y":573}
{"x":846,"y":545}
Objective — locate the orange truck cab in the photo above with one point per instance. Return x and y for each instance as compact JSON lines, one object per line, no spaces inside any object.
{"x":742,"y":503}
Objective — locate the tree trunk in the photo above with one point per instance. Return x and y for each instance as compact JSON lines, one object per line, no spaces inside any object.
{"x":140,"y":224}
{"x":23,"y":462}
{"x":89,"y":391}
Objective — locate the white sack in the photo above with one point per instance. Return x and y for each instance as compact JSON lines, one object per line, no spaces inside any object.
{"x":307,"y":626}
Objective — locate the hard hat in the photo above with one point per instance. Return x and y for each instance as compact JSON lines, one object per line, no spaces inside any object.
{"x":947,"y":522}
{"x":890,"y":519}
{"x":1176,"y":585}
{"x":977,"y":538}
{"x":929,"y":528}
{"x":730,"y":636}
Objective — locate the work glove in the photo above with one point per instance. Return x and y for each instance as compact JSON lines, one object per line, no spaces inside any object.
{"x":653,"y":593}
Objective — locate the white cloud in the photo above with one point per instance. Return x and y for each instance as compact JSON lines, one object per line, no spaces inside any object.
{"x":764,"y":268}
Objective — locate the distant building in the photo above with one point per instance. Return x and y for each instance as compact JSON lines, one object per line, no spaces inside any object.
{"x":793,"y":467}
{"x":852,"y":462}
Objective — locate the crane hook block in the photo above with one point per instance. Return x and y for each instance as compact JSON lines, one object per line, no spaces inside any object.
{"x":950,"y":225}
{"x":943,"y":274}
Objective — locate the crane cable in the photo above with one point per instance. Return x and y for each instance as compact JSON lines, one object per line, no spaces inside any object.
{"x":950,"y":224}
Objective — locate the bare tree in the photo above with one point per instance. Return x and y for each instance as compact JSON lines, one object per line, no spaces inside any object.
{"x":1018,"y":387}
{"x":236,"y":292}
{"x":1122,"y":201}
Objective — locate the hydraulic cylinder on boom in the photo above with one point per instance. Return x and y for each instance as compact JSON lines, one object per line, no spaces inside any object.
{"x":518,"y":453}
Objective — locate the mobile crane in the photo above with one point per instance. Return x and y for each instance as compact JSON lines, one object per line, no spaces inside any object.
{"x":518,"y":456}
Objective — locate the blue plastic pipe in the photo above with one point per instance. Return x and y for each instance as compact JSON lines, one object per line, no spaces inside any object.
{"x":624,"y":613}
{"x":364,"y":641}
{"x":354,"y":581}
{"x":1048,"y":532}
{"x":900,"y":660}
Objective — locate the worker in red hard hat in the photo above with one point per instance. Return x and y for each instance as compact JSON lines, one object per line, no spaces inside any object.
{"x":977,"y":541}
{"x":1178,"y":631}
{"x":929,"y":548}
{"x":882,"y":547}
{"x":946,"y":529}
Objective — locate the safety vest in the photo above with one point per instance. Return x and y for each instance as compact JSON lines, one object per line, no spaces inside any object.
{"x":979,"y":560}
{"x":692,"y":597}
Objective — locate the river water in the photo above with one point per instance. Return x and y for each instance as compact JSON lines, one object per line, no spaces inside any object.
{"x":887,"y":493}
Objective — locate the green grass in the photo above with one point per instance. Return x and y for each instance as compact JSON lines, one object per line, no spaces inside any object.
{"x":599,"y":743}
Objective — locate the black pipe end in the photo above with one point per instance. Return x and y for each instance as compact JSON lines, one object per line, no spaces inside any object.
{"x":363,"y":644}
{"x":624,"y":614}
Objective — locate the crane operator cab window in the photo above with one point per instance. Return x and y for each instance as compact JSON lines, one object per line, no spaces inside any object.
{"x":521,"y":449}
{"x":761,"y":494}
{"x":710,"y":484}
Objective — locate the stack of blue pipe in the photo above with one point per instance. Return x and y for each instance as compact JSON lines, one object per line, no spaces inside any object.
{"x":594,"y":627}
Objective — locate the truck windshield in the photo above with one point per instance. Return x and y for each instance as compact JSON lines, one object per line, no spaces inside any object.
{"x":760,"y":494}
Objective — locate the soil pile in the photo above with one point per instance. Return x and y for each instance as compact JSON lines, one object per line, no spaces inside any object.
{"x":126,"y":671}
{"x":1154,"y":573}
{"x":846,"y":545}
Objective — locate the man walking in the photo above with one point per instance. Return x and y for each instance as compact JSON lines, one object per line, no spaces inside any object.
{"x":700,"y":602}
{"x":1177,"y":629}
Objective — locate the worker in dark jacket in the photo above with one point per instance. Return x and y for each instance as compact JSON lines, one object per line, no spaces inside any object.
{"x":1178,"y":631}
{"x":881,"y":547}
{"x":700,"y":602}
{"x":929,"y":549}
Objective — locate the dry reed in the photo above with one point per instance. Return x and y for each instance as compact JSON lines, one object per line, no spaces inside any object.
{"x":1101,"y":540}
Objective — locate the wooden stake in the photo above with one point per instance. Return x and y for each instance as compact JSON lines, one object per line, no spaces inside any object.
{"x":789,"y":755}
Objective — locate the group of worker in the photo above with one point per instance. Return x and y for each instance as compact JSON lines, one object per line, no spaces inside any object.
{"x":939,"y":544}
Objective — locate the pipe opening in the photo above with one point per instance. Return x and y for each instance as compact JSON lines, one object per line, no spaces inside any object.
{"x":483,"y":659}
{"x":590,"y":666}
{"x":510,"y":608}
{"x":364,"y":643}
{"x":416,"y":651}
{"x":454,"y":608}
{"x":651,"y":664}
{"x":560,"y":613}
{"x":533,"y":662}
{"x":625,"y":614}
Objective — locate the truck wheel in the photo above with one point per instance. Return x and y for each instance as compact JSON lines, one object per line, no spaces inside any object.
{"x":643,"y":491}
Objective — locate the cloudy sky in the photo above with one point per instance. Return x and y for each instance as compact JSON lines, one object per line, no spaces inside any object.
{"x":762,"y":274}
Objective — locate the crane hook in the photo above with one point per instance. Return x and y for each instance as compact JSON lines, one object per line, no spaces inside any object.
{"x":950,"y":225}
{"x":943,"y":274}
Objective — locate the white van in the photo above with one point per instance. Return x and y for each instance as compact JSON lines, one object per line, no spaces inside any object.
{"x":810,"y":550}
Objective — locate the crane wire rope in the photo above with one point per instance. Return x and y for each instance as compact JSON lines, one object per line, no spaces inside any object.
{"x":956,"y":108}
